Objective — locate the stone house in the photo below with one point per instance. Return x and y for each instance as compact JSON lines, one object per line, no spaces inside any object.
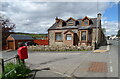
{"x":70,"y":32}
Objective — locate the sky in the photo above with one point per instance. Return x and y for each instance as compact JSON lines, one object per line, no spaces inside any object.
{"x":37,"y":17}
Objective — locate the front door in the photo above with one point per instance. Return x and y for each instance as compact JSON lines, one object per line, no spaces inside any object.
{"x":75,"y":41}
{"x":10,"y":45}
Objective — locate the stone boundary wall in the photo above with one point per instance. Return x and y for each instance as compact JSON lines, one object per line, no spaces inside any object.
{"x":59,"y":48}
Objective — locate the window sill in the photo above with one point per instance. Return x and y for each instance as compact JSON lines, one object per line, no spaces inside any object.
{"x":84,"y":41}
{"x":58,"y":41}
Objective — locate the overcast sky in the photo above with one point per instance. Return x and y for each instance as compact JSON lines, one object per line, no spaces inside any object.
{"x":37,"y":17}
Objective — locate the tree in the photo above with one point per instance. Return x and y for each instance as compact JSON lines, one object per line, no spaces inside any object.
{"x":118,"y":34}
{"x":104,"y":30}
{"x":6,"y":27}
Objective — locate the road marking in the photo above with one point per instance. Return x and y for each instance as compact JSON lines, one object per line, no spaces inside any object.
{"x":110,"y":61}
{"x":108,"y":46}
{"x":111,"y":69}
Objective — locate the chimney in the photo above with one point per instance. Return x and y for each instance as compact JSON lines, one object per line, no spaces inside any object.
{"x":56,"y":19}
{"x":99,"y":20}
{"x":99,"y":16}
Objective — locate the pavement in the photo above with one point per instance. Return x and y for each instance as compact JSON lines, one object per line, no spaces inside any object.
{"x":73,"y":64}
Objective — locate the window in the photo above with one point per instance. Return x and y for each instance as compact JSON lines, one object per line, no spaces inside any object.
{"x":60,"y":24}
{"x":70,"y":23}
{"x":68,"y":37}
{"x":85,"y":22}
{"x":58,"y":36}
{"x":83,"y":35}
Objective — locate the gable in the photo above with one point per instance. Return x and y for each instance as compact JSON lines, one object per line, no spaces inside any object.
{"x":87,"y":21}
{"x":85,"y":18}
{"x":68,"y":31}
{"x":71,"y":22}
{"x":72,"y":19}
{"x":10,"y":38}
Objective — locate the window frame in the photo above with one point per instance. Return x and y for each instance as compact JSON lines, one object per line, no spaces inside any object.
{"x":85,"y":22}
{"x":70,"y":35}
{"x":61,"y":37}
{"x":85,"y":36}
{"x":70,"y":23}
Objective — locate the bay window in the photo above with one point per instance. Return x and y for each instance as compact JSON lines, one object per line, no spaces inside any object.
{"x":83,"y":35}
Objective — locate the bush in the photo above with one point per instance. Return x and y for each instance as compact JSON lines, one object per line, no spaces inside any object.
{"x":16,"y":71}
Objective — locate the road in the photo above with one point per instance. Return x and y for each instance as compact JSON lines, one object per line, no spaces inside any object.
{"x":73,"y":63}
{"x":76,"y":63}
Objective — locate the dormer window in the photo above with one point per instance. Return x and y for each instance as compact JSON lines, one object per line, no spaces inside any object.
{"x":86,"y":22}
{"x":70,"y":23}
{"x":60,"y":24}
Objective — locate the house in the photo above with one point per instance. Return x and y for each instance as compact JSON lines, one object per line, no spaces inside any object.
{"x":70,"y":32}
{"x":14,"y":40}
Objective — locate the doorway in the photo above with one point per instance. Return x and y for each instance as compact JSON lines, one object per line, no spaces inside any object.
{"x":76,"y":39}
{"x":10,"y":45}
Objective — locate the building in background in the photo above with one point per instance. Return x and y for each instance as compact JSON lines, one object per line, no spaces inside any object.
{"x":70,"y":32}
{"x":13,"y":41}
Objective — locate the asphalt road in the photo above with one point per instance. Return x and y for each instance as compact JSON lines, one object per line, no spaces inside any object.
{"x":74,"y":63}
{"x":113,"y":58}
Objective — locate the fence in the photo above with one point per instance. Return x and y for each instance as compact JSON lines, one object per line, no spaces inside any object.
{"x":3,"y":61}
{"x":41,"y":42}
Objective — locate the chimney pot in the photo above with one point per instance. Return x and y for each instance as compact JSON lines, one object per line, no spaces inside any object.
{"x":99,"y":16}
{"x":56,"y":19}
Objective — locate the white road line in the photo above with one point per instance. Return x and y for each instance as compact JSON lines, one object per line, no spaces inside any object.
{"x":108,"y":46}
{"x":111,"y":69}
{"x":110,"y":61}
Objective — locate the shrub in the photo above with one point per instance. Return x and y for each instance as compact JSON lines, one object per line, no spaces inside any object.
{"x":16,"y":71}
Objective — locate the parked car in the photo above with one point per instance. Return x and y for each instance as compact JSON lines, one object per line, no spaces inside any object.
{"x":28,"y":43}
